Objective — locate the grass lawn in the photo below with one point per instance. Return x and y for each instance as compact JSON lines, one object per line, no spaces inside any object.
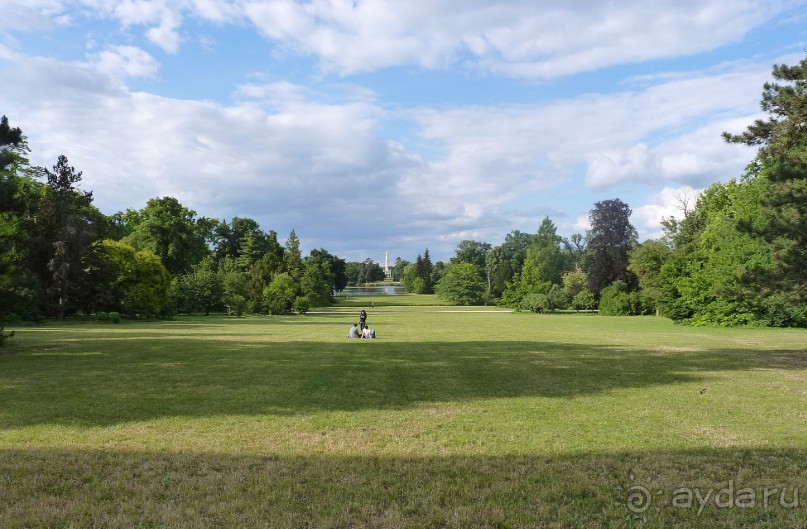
{"x":451,"y":418}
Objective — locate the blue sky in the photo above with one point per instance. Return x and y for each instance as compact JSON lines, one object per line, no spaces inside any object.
{"x":378,"y":125}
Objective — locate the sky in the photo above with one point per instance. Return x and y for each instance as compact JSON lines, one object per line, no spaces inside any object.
{"x":373,"y":126}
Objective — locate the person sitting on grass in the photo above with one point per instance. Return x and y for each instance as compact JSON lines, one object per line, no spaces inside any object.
{"x":368,"y":333}
{"x":354,"y":331}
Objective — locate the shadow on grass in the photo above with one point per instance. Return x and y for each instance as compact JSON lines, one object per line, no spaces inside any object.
{"x":106,"y":381}
{"x":108,"y":488}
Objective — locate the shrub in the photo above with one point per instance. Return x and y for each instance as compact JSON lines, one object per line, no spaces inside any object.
{"x":301,"y":305}
{"x":535,"y":303}
{"x":108,"y":317}
{"x":584,"y":300}
{"x":615,"y":300}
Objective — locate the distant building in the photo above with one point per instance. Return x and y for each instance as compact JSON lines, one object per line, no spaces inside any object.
{"x":387,"y":271}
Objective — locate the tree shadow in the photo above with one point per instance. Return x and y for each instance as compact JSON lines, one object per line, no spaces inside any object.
{"x":113,"y":488}
{"x":105,"y":381}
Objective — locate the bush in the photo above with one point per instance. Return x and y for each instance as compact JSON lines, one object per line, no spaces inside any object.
{"x":584,"y":300}
{"x":301,"y":305}
{"x":108,"y":317}
{"x":616,"y":300}
{"x":724,"y":313}
{"x":535,"y":303}
{"x":237,"y":304}
{"x":780,"y":312}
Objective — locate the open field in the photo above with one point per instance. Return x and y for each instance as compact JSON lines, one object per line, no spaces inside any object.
{"x":449,"y":419}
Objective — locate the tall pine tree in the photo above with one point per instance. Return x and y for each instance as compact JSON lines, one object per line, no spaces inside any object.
{"x":782,"y":160}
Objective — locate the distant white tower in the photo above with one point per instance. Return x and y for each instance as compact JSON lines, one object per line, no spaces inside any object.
{"x":387,"y":271}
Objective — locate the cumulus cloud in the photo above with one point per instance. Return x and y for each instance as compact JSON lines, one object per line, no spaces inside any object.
{"x":694,"y":158}
{"x":507,"y":150}
{"x":669,"y":202}
{"x":520,"y":38}
{"x":27,"y":15}
{"x":126,"y":61}
{"x":320,"y":168}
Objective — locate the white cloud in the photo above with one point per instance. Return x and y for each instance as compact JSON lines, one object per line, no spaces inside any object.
{"x":696,"y":157}
{"x":523,"y":38}
{"x":325,"y":168}
{"x":27,"y":15}
{"x":273,"y":93}
{"x":320,"y":168}
{"x":669,"y":202}
{"x":492,"y":153}
{"x":126,"y":61}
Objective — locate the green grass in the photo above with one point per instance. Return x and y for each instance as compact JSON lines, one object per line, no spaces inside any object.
{"x":477,"y":418}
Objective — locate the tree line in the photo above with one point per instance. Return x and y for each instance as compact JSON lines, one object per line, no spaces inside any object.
{"x":59,"y":255}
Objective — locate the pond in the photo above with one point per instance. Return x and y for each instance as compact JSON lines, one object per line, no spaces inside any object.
{"x":380,"y":290}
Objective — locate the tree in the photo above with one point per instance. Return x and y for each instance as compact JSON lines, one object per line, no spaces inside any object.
{"x":336,"y":268}
{"x":438,"y":269}
{"x":645,"y":263}
{"x":252,"y":247}
{"x":461,"y":285}
{"x":472,"y":252}
{"x":712,"y":276}
{"x":261,"y":274}
{"x":59,"y":231}
{"x":398,"y":269}
{"x":408,"y":278}
{"x":611,"y":239}
{"x":126,"y":280}
{"x":171,"y":231}
{"x":10,"y":138}
{"x":782,"y":160}
{"x":584,"y":300}
{"x":545,"y":261}
{"x":514,"y":250}
{"x":423,"y":270}
{"x":494,"y":261}
{"x":293,"y":257}
{"x":574,"y":283}
{"x":234,"y":286}
{"x":577,"y":245}
{"x":316,"y":284}
{"x":200,"y":289}
{"x":280,"y":294}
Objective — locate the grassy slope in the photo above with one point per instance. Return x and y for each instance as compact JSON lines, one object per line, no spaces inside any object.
{"x":479,"y":419}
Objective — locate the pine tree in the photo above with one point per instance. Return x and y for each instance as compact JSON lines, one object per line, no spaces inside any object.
{"x":782,"y":160}
{"x":292,"y":257}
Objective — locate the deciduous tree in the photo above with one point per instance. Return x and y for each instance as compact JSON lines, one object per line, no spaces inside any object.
{"x":461,"y":285}
{"x":610,"y":241}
